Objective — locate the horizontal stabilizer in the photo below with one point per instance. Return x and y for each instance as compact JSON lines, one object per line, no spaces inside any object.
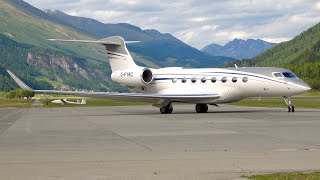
{"x":106,"y":41}
{"x":87,"y":41}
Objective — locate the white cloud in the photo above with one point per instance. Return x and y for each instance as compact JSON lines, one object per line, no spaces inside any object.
{"x":201,"y":22}
{"x":199,"y":19}
{"x":317,"y":5}
{"x":188,"y":36}
{"x":275,"y":40}
{"x":209,"y":27}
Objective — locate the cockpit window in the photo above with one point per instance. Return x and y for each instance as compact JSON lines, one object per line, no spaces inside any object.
{"x":289,"y":75}
{"x":276,"y":74}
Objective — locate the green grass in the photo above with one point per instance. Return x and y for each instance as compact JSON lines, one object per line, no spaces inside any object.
{"x":286,"y":176}
{"x":278,"y":102}
{"x":18,"y":103}
{"x":91,"y":103}
{"x":312,"y":93}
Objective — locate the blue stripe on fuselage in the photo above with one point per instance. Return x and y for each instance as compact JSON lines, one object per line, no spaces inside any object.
{"x":159,"y":79}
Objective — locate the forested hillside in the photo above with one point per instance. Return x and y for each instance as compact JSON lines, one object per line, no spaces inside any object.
{"x":44,"y":68}
{"x":24,"y":49}
{"x":301,"y":55}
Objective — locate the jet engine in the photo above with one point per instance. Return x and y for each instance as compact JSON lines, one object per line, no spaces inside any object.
{"x":133,"y":77}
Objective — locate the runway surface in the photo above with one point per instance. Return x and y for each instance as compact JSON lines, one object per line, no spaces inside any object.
{"x":139,"y":143}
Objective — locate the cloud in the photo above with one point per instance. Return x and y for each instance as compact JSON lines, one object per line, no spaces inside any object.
{"x":200,"y":23}
{"x":209,"y":27}
{"x":199,"y":19}
{"x":317,"y":6}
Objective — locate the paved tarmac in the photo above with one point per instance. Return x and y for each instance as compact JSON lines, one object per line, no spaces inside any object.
{"x":139,"y":143}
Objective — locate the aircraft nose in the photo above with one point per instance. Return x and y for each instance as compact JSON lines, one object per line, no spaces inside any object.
{"x":299,"y":86}
{"x":305,"y":87}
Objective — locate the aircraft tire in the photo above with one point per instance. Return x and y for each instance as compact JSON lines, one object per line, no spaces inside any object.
{"x":291,"y":109}
{"x":201,"y":108}
{"x":166,"y":109}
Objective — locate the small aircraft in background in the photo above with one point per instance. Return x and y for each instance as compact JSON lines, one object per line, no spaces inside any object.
{"x":65,"y":101}
{"x":199,"y":86}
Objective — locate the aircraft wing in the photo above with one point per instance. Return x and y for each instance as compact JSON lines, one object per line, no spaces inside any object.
{"x":135,"y":97}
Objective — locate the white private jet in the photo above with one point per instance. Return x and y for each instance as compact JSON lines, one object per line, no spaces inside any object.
{"x":201,"y":86}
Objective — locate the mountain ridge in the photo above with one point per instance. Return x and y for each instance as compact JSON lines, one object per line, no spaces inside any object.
{"x":45,"y":65}
{"x":239,"y":48}
{"x":161,"y":48}
{"x":25,"y":30}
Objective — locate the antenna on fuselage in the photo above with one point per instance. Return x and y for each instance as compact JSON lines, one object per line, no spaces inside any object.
{"x":235,"y":65}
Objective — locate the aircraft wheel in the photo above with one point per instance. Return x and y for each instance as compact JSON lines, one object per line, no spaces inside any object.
{"x":290,"y":108}
{"x":166,"y":109}
{"x":202,"y":108}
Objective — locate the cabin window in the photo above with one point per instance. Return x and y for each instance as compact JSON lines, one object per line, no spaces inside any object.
{"x":289,"y":75}
{"x":277,"y":75}
{"x":213,"y":80}
{"x":224,"y":79}
{"x":184,"y":80}
{"x":174,"y":80}
{"x":234,"y":79}
{"x":194,"y":80}
{"x":245,"y":79}
{"x":203,"y":80}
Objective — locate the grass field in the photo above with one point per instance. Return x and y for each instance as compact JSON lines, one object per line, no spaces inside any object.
{"x":287,"y":176}
{"x":19,"y":103}
{"x":312,"y":93}
{"x":298,"y":102}
{"x":91,"y":103}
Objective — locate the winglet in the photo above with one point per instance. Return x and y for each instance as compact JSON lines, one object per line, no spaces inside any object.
{"x":19,"y":82}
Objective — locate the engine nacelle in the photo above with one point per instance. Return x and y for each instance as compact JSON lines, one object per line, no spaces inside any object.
{"x":133,"y":77}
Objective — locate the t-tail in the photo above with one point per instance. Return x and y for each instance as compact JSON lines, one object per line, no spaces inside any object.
{"x":124,"y":69}
{"x":117,"y":52}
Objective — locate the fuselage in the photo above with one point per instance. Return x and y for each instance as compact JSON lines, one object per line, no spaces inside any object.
{"x":232,"y":84}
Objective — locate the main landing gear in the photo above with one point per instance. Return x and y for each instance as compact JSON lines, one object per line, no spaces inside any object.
{"x":289,"y":103}
{"x":166,"y":109}
{"x":202,"y":108}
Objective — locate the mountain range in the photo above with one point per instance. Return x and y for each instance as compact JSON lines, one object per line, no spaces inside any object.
{"x":24,"y":49}
{"x":25,"y":29}
{"x":239,"y":48}
{"x":162,"y":49}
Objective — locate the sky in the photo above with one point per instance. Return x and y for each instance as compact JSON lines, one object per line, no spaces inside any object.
{"x":201,"y":22}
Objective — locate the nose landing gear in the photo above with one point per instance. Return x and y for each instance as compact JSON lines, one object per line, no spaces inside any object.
{"x":289,"y":103}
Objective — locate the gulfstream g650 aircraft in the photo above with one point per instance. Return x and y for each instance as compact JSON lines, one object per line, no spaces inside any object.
{"x":202,"y":86}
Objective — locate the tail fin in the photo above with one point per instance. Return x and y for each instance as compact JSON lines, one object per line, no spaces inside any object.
{"x":83,"y":101}
{"x":117,"y":52}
